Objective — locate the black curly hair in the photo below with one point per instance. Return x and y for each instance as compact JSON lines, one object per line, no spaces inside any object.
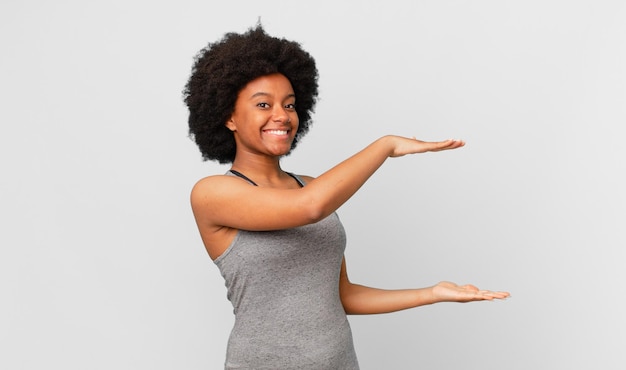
{"x":222,"y":69}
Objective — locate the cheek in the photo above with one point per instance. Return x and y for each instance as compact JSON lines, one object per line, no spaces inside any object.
{"x":238,"y":121}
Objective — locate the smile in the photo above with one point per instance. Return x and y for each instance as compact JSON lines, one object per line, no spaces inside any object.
{"x":277,"y":132}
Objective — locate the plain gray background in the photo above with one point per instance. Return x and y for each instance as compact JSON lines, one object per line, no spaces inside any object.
{"x":101,"y":266}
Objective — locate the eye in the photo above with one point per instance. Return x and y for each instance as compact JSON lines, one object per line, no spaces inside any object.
{"x":263,"y":105}
{"x":290,"y":106}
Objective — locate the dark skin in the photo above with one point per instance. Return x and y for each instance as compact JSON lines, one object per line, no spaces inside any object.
{"x":264,"y":123}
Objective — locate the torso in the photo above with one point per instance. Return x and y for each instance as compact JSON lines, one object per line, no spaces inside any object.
{"x":284,"y":288}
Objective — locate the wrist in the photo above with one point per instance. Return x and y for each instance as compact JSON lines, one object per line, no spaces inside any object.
{"x":387,"y":144}
{"x":424,"y":296}
{"x":431,"y":295}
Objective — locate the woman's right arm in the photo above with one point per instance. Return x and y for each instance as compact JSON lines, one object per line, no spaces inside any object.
{"x":333,"y":188}
{"x":224,"y":201}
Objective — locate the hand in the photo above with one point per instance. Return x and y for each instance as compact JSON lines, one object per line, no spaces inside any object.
{"x":403,"y":145}
{"x":446,"y":291}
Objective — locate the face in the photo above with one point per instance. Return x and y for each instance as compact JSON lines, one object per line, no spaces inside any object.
{"x":265,"y":121}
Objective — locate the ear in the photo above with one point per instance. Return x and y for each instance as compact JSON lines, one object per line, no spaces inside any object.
{"x":230,"y":124}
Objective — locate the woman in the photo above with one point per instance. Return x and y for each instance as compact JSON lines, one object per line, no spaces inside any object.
{"x":275,"y":235}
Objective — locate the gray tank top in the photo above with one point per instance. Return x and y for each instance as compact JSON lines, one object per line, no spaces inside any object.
{"x":284,"y":288}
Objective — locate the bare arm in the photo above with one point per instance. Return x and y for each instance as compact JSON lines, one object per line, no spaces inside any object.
{"x":359,"y":299}
{"x":223,"y":201}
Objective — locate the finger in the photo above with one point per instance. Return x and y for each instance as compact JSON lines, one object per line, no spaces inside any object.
{"x":456,"y":143}
{"x":448,"y":144}
{"x":439,"y":146}
{"x":492,"y":295}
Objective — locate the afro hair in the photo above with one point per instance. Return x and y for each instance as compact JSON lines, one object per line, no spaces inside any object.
{"x":222,"y":69}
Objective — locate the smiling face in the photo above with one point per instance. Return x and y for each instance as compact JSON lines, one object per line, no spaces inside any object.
{"x":264,"y":120}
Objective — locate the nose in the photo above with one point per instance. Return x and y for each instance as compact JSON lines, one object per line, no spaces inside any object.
{"x":280,"y":114}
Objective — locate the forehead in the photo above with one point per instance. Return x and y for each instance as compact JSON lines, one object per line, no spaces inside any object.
{"x":273,"y":84}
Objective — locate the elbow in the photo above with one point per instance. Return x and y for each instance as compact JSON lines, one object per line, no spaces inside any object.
{"x":352,"y":306}
{"x":346,"y":298}
{"x":347,"y":308}
{"x":314,"y":210}
{"x":315,"y":214}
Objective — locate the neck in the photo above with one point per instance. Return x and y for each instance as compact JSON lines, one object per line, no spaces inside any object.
{"x":264,"y":171}
{"x":260,"y":169}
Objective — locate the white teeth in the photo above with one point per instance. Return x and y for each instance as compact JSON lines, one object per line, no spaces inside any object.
{"x":277,"y":132}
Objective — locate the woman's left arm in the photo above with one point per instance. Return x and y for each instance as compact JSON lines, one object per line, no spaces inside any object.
{"x":361,"y":300}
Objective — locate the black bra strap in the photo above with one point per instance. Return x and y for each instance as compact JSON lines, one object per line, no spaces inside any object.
{"x":237,"y":173}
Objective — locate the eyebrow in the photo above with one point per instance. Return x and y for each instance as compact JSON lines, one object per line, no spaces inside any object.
{"x":261,"y":93}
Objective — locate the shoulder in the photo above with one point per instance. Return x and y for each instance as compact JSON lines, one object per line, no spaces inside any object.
{"x":210,"y":181}
{"x":216,"y":184}
{"x":206,"y":183}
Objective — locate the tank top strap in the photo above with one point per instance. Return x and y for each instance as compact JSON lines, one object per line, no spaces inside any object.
{"x":239,"y":174}
{"x":298,"y":179}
